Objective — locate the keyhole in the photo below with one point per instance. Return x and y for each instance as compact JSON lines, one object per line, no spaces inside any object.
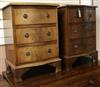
{"x":25,"y":16}
{"x":28,"y":53}
{"x":49,"y":33}
{"x":49,"y":50}
{"x":26,"y":35}
{"x":48,"y":16}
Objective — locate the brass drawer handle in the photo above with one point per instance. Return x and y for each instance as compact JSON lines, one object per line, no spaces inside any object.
{"x":26,"y":35}
{"x":49,"y":50}
{"x":28,"y":53}
{"x":25,"y":16}
{"x":48,"y":16}
{"x":49,"y":33}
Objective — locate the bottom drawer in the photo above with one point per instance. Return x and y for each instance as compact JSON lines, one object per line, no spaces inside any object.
{"x":76,"y":46}
{"x":36,"y":53}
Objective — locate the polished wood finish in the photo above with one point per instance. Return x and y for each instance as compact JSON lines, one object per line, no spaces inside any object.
{"x":79,"y":77}
{"x":4,"y":83}
{"x":11,"y":53}
{"x":69,"y":63}
{"x":32,"y":37}
{"x":34,"y":15}
{"x":77,"y":31}
{"x":37,"y":53}
{"x":35,"y":43}
{"x":54,"y":62}
{"x":89,"y":14}
{"x":2,"y":58}
{"x":34,"y":34}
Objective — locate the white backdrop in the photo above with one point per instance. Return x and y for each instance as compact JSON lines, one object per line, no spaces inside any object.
{"x":97,"y":3}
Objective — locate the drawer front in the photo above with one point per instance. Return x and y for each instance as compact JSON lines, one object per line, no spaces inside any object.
{"x":36,"y":35}
{"x":76,"y":46}
{"x":90,"y":29}
{"x":49,"y":34}
{"x":90,"y":44}
{"x":37,"y":53}
{"x":75,"y":14}
{"x":31,"y":15}
{"x":90,"y":14}
{"x":75,"y":31}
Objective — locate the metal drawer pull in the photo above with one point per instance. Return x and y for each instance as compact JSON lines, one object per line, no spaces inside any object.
{"x":28,"y":53}
{"x":25,"y":16}
{"x":49,"y":50}
{"x":49,"y":33}
{"x":26,"y":35}
{"x":76,"y":46}
{"x":91,"y":82}
{"x":75,"y":30}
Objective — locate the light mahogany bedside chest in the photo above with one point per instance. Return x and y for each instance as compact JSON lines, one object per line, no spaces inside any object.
{"x":31,"y":32}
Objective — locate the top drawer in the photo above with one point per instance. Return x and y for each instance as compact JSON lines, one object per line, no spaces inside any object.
{"x":75,"y":14}
{"x":89,"y":15}
{"x":34,"y":15}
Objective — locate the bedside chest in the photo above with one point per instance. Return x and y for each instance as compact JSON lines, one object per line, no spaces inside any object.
{"x":77,"y":32}
{"x":31,"y":32}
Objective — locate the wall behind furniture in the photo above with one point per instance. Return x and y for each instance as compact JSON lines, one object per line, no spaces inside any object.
{"x":2,"y":47}
{"x":97,"y":3}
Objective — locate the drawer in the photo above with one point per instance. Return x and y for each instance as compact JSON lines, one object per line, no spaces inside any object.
{"x":28,"y":35}
{"x":90,"y":29}
{"x":90,"y":44}
{"x":76,"y":46}
{"x":75,"y":31}
{"x":75,"y":14}
{"x":34,"y":15}
{"x":36,"y":53}
{"x":90,"y":15}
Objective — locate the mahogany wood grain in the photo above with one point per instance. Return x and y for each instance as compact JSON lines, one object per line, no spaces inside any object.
{"x":31,"y":35}
{"x":87,"y":76}
{"x":34,"y":34}
{"x":34,"y":15}
{"x":77,"y":30}
{"x":38,"y":53}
